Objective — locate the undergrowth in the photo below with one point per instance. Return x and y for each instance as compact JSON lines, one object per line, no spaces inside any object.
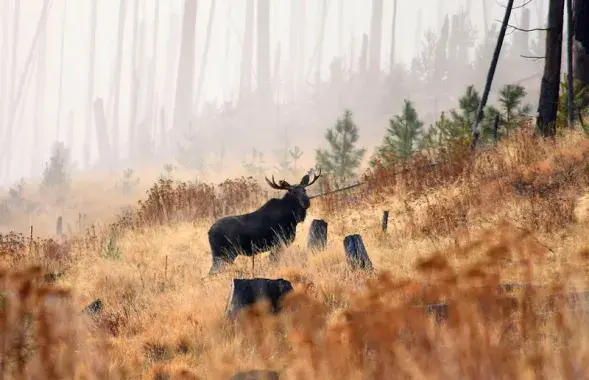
{"x":480,"y":275}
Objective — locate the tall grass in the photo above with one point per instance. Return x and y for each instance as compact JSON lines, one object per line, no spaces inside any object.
{"x":461,"y":227}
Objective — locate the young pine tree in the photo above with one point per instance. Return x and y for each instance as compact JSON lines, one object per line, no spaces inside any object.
{"x":343,"y":158}
{"x":403,"y":136}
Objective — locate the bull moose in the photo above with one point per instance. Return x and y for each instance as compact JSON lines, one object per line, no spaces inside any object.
{"x":264,"y":229}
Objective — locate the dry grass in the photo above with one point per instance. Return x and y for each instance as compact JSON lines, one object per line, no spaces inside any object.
{"x":514,"y":213}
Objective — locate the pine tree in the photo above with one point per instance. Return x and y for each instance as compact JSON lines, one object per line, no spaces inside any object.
{"x":403,"y":136}
{"x":343,"y":158}
{"x":57,"y":170}
{"x":510,"y":109}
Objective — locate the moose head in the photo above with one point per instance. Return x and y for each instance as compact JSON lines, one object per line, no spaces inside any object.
{"x":298,"y":191}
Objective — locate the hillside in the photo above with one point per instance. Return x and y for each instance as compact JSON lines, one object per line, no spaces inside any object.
{"x":459,"y":225}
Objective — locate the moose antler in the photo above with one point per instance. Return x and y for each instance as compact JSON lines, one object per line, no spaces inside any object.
{"x":283,"y":185}
{"x":305,"y":181}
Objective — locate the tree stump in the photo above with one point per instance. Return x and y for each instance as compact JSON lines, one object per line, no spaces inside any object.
{"x":356,"y":254}
{"x":94,"y":308}
{"x":59,"y":226}
{"x":317,"y":235}
{"x":256,"y":375}
{"x":385,"y":220}
{"x":247,"y":291}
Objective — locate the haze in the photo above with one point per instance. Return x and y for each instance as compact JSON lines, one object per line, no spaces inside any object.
{"x":70,"y":20}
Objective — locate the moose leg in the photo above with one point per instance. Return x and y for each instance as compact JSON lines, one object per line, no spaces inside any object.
{"x":221,"y":259}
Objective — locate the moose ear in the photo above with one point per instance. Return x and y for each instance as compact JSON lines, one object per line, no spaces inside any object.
{"x":305,"y":180}
{"x":284,"y":184}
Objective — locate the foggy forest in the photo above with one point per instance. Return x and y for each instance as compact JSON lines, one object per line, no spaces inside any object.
{"x":326,"y":189}
{"x":150,"y":83}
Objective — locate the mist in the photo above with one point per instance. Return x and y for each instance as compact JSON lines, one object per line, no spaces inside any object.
{"x":46,"y":75}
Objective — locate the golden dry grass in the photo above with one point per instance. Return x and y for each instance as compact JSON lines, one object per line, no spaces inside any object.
{"x":515,"y":213}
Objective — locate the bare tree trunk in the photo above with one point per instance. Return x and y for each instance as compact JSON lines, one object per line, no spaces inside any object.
{"x":151,"y":109}
{"x":340,"y":29}
{"x":90,"y":88}
{"x":117,"y":82}
{"x":36,"y":157}
{"x":302,"y":46}
{"x":185,"y":72}
{"x":205,"y":55}
{"x":581,"y":44}
{"x":363,"y":60}
{"x":4,"y":66}
{"x":104,"y":149}
{"x":550,"y":87}
{"x":375,"y":37}
{"x":245,"y":79}
{"x":134,"y":83}
{"x":293,"y":47}
{"x":276,"y":70}
{"x":491,"y":73}
{"x":11,"y":91}
{"x":171,"y":61}
{"x":522,"y":39}
{"x":263,"y":50}
{"x":320,"y":41}
{"x":226,"y":78}
{"x":6,"y":149}
{"x":485,"y":18}
{"x":60,"y":91}
{"x":393,"y":38}
{"x":70,"y":131}
{"x":570,"y":83}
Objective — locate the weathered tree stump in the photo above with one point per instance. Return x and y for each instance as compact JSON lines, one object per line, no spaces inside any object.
{"x":385,"y":220}
{"x":94,"y":308}
{"x":317,"y":235}
{"x":59,"y":226}
{"x":356,"y":254}
{"x":256,"y":374}
{"x":247,"y":291}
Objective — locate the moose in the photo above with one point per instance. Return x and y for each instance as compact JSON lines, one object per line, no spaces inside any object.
{"x":264,"y":229}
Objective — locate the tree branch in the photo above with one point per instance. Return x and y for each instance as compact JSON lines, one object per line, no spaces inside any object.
{"x":531,"y":57}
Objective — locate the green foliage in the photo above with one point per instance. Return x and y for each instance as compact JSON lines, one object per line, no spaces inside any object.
{"x":57,"y":173}
{"x":110,"y":250}
{"x":403,"y":136}
{"x":456,"y":127}
{"x":343,"y":158}
{"x":580,"y":93}
{"x":447,"y":129}
{"x":510,"y":98}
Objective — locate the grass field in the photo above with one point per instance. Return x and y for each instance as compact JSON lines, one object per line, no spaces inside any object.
{"x":514,"y":213}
